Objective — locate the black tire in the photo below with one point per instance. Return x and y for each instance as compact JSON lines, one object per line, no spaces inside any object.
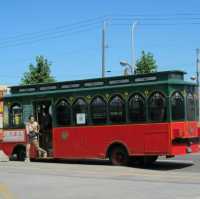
{"x":20,"y":153}
{"x":119,"y":156}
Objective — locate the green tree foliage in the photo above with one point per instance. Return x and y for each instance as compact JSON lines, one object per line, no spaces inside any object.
{"x":146,"y":64}
{"x":40,"y":73}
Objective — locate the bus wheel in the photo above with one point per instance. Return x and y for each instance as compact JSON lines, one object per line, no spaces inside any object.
{"x":19,"y":153}
{"x":119,"y":156}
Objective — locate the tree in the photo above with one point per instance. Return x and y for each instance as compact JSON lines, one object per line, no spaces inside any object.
{"x":40,"y":73}
{"x":146,"y":64}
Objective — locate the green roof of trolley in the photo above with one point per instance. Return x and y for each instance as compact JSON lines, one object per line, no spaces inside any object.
{"x":164,"y":77}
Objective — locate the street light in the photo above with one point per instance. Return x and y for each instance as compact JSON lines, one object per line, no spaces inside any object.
{"x":108,"y":72}
{"x":133,"y":45}
{"x":126,"y":64}
{"x":193,"y":78}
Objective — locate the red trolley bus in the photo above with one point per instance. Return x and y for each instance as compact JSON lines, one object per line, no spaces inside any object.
{"x":136,"y":117}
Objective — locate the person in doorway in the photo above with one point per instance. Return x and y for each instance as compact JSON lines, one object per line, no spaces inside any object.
{"x":45,"y":123}
{"x":32,"y":130}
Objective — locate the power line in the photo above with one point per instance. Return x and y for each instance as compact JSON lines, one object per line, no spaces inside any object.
{"x":85,"y":25}
{"x":157,"y":19}
{"x":47,"y":31}
{"x":154,"y":21}
{"x":177,"y":19}
{"x":155,"y":24}
{"x":154,"y":15}
{"x":65,"y":34}
{"x":119,"y":17}
{"x":49,"y":34}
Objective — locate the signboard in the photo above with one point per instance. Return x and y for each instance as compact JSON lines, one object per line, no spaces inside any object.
{"x":27,"y":89}
{"x":44,"y":88}
{"x":120,"y":81}
{"x":14,"y":136}
{"x":143,"y":79}
{"x":80,"y":118}
{"x":70,"y":86}
{"x":90,"y":84}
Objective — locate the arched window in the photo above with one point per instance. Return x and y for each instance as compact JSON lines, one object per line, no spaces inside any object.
{"x":117,"y":112}
{"x":136,"y":108}
{"x":98,"y":111}
{"x":63,"y":113}
{"x":16,"y":116}
{"x":80,"y":110}
{"x":177,"y":105}
{"x":190,"y":107}
{"x":157,"y":107}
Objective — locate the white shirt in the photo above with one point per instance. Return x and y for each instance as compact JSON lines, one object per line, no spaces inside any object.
{"x":32,"y":126}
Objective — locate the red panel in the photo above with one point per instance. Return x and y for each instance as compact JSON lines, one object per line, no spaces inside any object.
{"x":93,"y":141}
{"x":182,"y":149}
{"x":8,"y":148}
{"x":184,"y":130}
{"x":157,"y":143}
{"x":139,"y":139}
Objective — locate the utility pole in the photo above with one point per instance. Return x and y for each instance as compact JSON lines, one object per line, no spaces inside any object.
{"x":198,"y":71}
{"x":133,"y":47}
{"x":104,"y":46}
{"x":198,"y":64}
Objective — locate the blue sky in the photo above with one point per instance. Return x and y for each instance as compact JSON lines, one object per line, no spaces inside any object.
{"x":68,"y":33}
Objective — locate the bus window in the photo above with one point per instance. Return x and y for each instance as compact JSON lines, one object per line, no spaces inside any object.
{"x":157,"y":108}
{"x":80,"y":111}
{"x":117,"y":110}
{"x":98,"y":110}
{"x":63,"y":113}
{"x":16,"y":116}
{"x":177,"y":106}
{"x":136,"y":108}
{"x":190,"y":107}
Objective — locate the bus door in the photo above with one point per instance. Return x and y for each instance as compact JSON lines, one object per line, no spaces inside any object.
{"x":43,"y":115}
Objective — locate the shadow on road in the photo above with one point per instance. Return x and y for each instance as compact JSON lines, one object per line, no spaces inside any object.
{"x":165,"y":165}
{"x":158,"y":165}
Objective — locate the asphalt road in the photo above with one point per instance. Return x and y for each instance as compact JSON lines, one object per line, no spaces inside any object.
{"x":174,"y":178}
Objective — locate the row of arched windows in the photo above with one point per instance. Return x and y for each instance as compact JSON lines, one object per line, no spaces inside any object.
{"x":116,"y":110}
{"x":98,"y":111}
{"x":178,"y":104}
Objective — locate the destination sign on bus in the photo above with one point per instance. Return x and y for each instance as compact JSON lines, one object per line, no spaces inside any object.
{"x":143,"y":79}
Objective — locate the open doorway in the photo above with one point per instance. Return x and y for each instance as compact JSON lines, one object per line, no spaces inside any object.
{"x":43,"y":115}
